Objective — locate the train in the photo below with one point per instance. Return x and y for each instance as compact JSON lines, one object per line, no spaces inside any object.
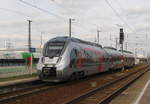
{"x":115,"y":58}
{"x":11,"y":58}
{"x":129,"y":58}
{"x":66,"y":58}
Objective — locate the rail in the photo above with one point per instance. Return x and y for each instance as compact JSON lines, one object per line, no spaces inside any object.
{"x":107,"y":99}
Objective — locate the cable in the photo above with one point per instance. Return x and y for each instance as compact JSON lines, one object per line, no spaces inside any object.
{"x":43,"y":10}
{"x":14,"y":11}
{"x":117,"y":1}
{"x":122,"y":10}
{"x":70,"y":9}
{"x":117,"y":14}
{"x":59,"y":4}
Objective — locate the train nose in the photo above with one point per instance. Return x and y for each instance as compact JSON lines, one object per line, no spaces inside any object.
{"x":50,"y":74}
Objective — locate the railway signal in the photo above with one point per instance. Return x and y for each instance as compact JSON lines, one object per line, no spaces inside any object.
{"x":121,"y":39}
{"x":121,"y":36}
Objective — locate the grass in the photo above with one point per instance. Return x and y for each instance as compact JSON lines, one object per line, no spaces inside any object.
{"x":18,"y":77}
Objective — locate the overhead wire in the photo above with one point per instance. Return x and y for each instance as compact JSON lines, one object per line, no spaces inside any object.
{"x":14,"y":11}
{"x":117,"y":14}
{"x":43,"y":10}
{"x":76,"y":24}
{"x":123,"y":10}
{"x":58,"y":4}
{"x":120,"y":6}
{"x":70,"y":9}
{"x":46,"y":11}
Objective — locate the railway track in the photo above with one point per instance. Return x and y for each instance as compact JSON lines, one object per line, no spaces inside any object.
{"x":10,"y":87}
{"x":47,"y":92}
{"x":105,"y":93}
{"x":23,"y":89}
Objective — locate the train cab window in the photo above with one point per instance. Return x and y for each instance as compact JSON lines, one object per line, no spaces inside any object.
{"x":73,"y":57}
{"x":54,"y":49}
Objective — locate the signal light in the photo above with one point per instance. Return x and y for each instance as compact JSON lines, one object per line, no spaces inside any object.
{"x":121,"y":36}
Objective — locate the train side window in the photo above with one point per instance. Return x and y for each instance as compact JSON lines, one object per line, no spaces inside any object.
{"x":73,"y":58}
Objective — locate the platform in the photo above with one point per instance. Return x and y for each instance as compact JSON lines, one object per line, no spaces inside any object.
{"x":6,"y":83}
{"x":137,"y":93}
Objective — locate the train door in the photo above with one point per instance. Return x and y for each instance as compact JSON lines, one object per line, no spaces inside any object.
{"x":73,"y":58}
{"x":76,"y":64}
{"x":106,"y":63}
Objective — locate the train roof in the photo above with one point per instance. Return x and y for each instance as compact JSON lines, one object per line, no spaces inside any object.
{"x":126,"y":51}
{"x":66,"y":38}
{"x":111,"y":48}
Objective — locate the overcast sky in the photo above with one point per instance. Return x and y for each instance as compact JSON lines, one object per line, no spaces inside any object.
{"x":50,"y":18}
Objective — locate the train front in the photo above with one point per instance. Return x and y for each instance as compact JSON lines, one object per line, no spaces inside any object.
{"x":50,"y":66}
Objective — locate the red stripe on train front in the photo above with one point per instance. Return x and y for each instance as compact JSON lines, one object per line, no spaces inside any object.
{"x":99,"y":68}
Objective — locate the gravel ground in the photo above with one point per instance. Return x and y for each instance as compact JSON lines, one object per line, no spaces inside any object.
{"x":65,"y":93}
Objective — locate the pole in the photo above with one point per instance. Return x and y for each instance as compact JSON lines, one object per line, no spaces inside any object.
{"x":110,"y":40}
{"x":136,"y":52}
{"x":95,"y":39}
{"x":29,"y":35}
{"x":122,"y":47}
{"x":41,"y":38}
{"x":29,"y":45}
{"x":98,"y":36}
{"x":31,"y":64}
{"x":70,"y":27}
{"x":116,"y":43}
{"x":126,"y":45}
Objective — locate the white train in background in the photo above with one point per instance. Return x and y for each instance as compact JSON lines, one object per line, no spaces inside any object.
{"x":8,"y":58}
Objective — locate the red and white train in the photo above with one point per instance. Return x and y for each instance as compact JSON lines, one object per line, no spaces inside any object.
{"x":67,"y":58}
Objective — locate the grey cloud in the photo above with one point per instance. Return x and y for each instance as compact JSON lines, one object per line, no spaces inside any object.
{"x":143,"y":27}
{"x":135,"y":11}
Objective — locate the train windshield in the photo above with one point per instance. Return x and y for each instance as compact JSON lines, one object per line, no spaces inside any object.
{"x":54,"y":49}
